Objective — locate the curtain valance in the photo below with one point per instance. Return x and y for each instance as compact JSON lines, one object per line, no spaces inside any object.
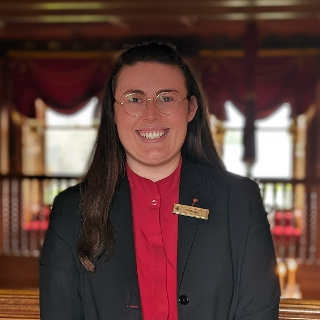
{"x":67,"y":84}
{"x":63,"y":84}
{"x":277,"y":80}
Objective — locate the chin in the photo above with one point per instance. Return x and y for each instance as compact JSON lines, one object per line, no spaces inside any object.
{"x":154,"y":161}
{"x":159,"y":160}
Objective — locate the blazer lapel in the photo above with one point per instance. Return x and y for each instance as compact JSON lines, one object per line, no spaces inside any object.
{"x":121,"y":219}
{"x":191,"y":187}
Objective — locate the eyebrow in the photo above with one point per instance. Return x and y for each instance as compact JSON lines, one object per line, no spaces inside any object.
{"x":142,"y":92}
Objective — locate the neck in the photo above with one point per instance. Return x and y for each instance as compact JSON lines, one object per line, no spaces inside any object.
{"x":153,"y":172}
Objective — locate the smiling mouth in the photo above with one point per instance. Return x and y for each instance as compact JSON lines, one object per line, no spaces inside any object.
{"x":151,"y":135}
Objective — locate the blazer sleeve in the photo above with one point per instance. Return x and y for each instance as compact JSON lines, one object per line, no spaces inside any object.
{"x":259,"y":291}
{"x":59,"y":271}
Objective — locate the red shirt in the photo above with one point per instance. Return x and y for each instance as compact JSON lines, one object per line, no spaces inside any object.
{"x":156,"y":239}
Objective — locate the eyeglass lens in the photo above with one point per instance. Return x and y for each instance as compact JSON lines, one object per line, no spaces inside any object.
{"x":165,"y":102}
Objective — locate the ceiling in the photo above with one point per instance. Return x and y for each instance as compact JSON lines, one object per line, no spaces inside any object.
{"x":26,"y":19}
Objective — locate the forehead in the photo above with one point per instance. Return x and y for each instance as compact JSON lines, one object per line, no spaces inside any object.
{"x":148,"y":76}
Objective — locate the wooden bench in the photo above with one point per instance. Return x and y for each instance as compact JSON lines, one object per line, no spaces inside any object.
{"x":292,"y":309}
{"x":19,"y":304}
{"x":24,"y":304}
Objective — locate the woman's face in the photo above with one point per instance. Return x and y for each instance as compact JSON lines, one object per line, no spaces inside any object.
{"x":152,"y":139}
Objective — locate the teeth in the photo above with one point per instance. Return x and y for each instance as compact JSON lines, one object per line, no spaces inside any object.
{"x":152,"y":135}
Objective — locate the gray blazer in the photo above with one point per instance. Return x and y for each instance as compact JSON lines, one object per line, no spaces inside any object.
{"x":226,"y":264}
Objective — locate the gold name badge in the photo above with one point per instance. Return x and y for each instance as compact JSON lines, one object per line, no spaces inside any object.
{"x":190,"y":211}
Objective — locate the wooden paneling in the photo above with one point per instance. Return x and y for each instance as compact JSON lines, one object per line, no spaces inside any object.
{"x":19,"y":272}
{"x":308,"y":278}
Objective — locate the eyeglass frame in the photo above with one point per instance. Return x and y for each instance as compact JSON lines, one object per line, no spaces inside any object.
{"x":151,"y":99}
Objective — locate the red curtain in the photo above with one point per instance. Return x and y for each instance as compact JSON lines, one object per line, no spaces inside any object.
{"x":67,"y":84}
{"x":277,"y":80}
{"x":64,"y":84}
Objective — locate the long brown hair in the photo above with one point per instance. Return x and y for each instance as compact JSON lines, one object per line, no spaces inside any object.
{"x":107,"y":169}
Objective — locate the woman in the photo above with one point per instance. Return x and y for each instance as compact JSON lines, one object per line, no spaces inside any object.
{"x":115,"y":249}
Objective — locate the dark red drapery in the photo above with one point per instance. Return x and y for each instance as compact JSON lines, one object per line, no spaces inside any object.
{"x":64,"y":84}
{"x":277,"y":80}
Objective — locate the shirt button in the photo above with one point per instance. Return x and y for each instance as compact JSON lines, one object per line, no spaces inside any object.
{"x":154,"y":202}
{"x":184,"y":299}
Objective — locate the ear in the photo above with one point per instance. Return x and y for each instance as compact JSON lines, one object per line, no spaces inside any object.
{"x":192,"y":109}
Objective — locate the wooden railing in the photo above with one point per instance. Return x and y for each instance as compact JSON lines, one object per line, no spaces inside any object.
{"x":24,"y":304}
{"x":25,"y":203}
{"x":293,"y":210}
{"x":292,"y":207}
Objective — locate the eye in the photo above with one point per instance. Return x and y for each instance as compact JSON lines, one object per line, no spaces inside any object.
{"x":133,"y":98}
{"x":166,"y":97}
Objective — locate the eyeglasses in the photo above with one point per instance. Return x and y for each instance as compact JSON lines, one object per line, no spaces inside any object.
{"x":134,"y":104}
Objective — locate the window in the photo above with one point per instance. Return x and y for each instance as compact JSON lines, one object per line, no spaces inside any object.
{"x":274,"y":145}
{"x":232,"y":140}
{"x":69,"y":140}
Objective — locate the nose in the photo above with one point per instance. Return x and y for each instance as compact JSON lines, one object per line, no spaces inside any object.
{"x":151,"y":113}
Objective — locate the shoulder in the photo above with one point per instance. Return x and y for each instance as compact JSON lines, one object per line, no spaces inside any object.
{"x":239,"y":196}
{"x":69,"y":197}
{"x":242,"y":194}
{"x":60,"y":245}
{"x":241,"y":191}
{"x":224,"y":179}
{"x":235,"y":182}
{"x":65,"y":217}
